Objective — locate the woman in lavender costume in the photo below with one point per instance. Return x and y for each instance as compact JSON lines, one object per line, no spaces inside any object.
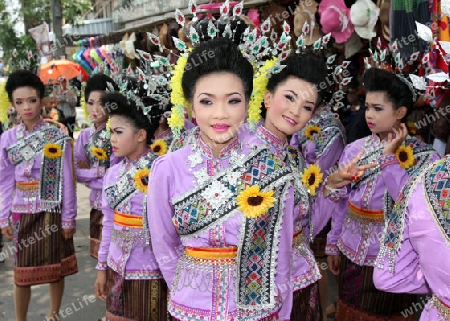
{"x":221,"y":211}
{"x":363,"y":201}
{"x":37,"y":191}
{"x":128,"y":277}
{"x":415,"y":254}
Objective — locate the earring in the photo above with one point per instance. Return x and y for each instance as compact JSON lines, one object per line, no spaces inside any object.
{"x":266,"y":105}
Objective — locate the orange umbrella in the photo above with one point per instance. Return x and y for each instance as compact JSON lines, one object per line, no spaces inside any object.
{"x":51,"y":72}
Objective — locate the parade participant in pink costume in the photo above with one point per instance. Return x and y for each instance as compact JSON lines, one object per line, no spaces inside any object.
{"x":289,"y":101}
{"x":128,"y":276}
{"x":37,"y":190}
{"x":414,"y":255}
{"x":364,"y":200}
{"x":221,"y":233}
{"x":93,"y":153}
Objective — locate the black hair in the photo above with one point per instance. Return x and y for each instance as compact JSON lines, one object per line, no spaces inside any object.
{"x":306,"y":66}
{"x":217,"y":55}
{"x":24,"y":78}
{"x":98,"y":82}
{"x":397,"y":91}
{"x":157,"y":110}
{"x":118,"y":105}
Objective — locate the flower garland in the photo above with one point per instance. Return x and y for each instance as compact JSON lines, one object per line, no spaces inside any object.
{"x":176,"y":119}
{"x":260,"y":82}
{"x":4,"y":103}
{"x":108,"y":128}
{"x":83,"y":102}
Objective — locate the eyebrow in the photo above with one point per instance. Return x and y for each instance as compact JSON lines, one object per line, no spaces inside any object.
{"x":30,"y":97}
{"x":211,"y":95}
{"x":116,"y":128}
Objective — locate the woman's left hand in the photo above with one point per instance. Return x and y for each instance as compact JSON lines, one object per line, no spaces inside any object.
{"x":394,"y":143}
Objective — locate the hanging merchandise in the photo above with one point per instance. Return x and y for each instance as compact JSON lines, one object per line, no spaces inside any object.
{"x":335,"y":19}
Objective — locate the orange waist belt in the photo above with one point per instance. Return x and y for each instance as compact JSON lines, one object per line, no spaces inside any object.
{"x":27,"y":186}
{"x":127,"y":220}
{"x":212,"y":254}
{"x":366,"y":215}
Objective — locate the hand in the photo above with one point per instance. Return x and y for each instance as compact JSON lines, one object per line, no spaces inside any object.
{"x":333,"y":263}
{"x":68,"y":233}
{"x":60,"y":125}
{"x":100,"y":285}
{"x":394,"y":143}
{"x":348,"y":173}
{"x":7,"y":232}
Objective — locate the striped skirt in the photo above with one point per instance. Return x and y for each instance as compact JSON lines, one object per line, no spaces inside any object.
{"x":306,"y":304}
{"x":95,"y":231}
{"x":359,"y":299}
{"x":42,"y":255}
{"x":135,"y":300}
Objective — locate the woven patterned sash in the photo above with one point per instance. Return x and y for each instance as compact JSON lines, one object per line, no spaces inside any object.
{"x":27,"y":148}
{"x":257,"y":251}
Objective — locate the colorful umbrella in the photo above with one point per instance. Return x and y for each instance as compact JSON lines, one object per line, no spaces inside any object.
{"x":51,"y":72}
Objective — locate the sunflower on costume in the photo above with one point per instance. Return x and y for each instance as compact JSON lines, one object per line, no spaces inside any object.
{"x":141,"y":179}
{"x":52,"y":151}
{"x":311,"y":130}
{"x":254,"y":203}
{"x":312,"y":177}
{"x":99,"y":153}
{"x":405,"y":156}
{"x":159,"y":147}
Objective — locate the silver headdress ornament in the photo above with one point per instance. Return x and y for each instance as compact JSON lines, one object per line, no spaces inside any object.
{"x":391,"y":57}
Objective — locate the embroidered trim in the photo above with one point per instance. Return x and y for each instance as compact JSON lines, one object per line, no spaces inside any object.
{"x":121,"y":191}
{"x":194,"y":213}
{"x":101,"y":266}
{"x":332,"y":249}
{"x":331,"y":129}
{"x":443,"y":309}
{"x":68,"y":225}
{"x":98,"y":139}
{"x":437,"y":187}
{"x":386,"y":160}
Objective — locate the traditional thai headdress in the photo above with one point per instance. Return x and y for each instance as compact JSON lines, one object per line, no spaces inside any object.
{"x":264,"y":55}
{"x":390,"y":59}
{"x":434,"y":67}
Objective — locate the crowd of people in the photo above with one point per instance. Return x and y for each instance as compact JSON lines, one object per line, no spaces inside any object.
{"x":217,"y":188}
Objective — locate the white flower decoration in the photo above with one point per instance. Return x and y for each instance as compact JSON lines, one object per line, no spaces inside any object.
{"x":217,"y":194}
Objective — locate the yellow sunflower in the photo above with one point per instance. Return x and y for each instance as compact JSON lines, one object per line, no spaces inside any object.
{"x":159,"y":147}
{"x":99,"y":153}
{"x":52,"y":151}
{"x":254,"y":203}
{"x":405,"y":156}
{"x":312,"y":177}
{"x":311,"y":130}
{"x":141,"y":179}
